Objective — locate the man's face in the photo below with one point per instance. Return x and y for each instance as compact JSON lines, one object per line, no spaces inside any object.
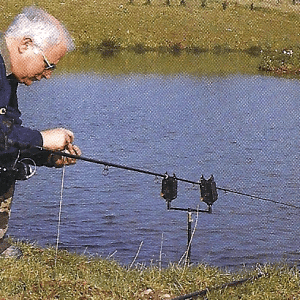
{"x":32,"y":66}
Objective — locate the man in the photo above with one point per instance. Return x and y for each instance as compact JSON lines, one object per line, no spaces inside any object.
{"x":29,"y":51}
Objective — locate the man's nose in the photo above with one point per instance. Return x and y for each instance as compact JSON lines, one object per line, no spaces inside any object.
{"x":47,"y":74}
{"x":39,"y":77}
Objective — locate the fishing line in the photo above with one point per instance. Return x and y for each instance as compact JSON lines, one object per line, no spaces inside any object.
{"x":257,"y":197}
{"x":60,"y":210}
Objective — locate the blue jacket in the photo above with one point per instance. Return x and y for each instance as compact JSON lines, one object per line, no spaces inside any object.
{"x":11,"y":129}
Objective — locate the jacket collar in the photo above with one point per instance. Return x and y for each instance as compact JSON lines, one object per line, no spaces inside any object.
{"x":5,"y":54}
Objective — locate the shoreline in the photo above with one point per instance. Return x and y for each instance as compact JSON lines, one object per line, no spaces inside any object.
{"x":44,"y":274}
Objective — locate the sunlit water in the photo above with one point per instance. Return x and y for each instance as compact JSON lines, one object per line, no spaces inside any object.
{"x":242,"y":129}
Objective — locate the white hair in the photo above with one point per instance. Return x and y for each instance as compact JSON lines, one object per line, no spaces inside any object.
{"x":44,"y":30}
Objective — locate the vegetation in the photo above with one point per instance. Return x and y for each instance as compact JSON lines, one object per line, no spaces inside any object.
{"x":107,"y":27}
{"x":40,"y":274}
{"x":286,"y":61}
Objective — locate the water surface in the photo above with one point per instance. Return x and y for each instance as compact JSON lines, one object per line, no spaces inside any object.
{"x":243,"y":129}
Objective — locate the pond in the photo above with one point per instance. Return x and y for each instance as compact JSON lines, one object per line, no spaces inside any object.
{"x":242,"y":128}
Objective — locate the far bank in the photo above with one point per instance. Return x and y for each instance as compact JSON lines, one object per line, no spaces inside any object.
{"x":197,"y":25}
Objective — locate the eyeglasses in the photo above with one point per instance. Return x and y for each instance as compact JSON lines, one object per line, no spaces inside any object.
{"x":49,"y":66}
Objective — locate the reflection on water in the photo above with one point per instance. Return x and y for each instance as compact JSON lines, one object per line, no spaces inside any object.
{"x":242,"y":129}
{"x":162,"y":63}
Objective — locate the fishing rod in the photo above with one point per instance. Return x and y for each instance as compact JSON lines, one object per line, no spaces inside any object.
{"x":170,"y":180}
{"x":109,"y":164}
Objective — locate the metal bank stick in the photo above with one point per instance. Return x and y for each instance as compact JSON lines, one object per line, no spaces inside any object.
{"x":209,"y":195}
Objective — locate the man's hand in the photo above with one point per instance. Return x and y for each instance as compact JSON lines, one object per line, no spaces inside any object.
{"x":60,"y":139}
{"x":57,"y":139}
{"x":59,"y":161}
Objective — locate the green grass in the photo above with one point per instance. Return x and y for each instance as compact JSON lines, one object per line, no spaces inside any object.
{"x":40,"y":275}
{"x":155,"y":26}
{"x":107,"y":27}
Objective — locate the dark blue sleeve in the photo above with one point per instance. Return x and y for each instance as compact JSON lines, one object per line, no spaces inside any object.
{"x":18,"y":133}
{"x":11,"y":129}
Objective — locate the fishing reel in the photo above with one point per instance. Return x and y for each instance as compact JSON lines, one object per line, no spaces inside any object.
{"x":19,"y":171}
{"x":23,"y":171}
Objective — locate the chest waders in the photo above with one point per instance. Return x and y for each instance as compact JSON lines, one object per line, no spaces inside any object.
{"x":10,"y":171}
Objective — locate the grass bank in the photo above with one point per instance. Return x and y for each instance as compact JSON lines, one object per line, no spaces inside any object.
{"x":39,"y":275}
{"x":258,"y":27}
{"x":196,"y":26}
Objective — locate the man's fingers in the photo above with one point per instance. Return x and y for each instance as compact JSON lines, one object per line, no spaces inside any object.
{"x":76,"y":150}
{"x":70,"y":134}
{"x":69,"y":149}
{"x":63,"y":160}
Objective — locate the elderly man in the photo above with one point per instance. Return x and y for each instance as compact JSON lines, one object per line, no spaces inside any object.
{"x":29,"y":51}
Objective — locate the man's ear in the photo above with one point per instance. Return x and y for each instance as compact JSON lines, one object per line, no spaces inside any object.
{"x":24,"y":44}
